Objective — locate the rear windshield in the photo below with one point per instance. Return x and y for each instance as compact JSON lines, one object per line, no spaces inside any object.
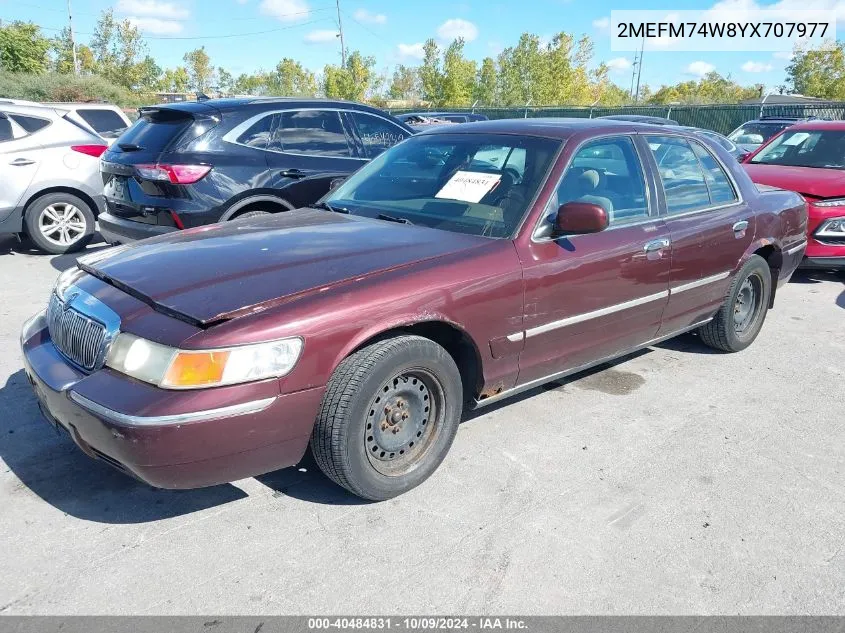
{"x":105,"y":122}
{"x":155,"y":130}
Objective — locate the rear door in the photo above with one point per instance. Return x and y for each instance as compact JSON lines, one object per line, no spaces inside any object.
{"x":20,"y":157}
{"x":709,"y":224}
{"x":307,"y":149}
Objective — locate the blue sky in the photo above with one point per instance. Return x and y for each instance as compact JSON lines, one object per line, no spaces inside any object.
{"x":393,"y":31}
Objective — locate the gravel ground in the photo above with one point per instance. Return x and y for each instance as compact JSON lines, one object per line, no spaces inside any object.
{"x":675,"y":481}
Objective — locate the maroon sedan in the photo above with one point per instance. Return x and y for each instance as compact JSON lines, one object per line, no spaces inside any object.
{"x":462,"y":266}
{"x":810,"y":158}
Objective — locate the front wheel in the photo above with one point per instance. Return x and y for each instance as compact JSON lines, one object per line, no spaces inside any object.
{"x":388,"y":417}
{"x":741,"y":316}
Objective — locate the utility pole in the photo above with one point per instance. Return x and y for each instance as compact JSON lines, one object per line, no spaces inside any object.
{"x":340,"y":27}
{"x":72,"y":39}
{"x":639,"y":71}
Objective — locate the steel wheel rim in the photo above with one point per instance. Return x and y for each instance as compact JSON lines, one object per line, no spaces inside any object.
{"x":747,"y":304}
{"x":404,"y":419}
{"x":62,"y":224}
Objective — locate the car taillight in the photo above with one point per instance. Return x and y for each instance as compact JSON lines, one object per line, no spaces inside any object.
{"x":91,"y":150}
{"x":175,"y":174}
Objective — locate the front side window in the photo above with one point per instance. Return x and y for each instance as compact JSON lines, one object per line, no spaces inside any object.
{"x":313,"y":132}
{"x":681,"y":173}
{"x":608,"y":173}
{"x":465,"y":183}
{"x":377,"y":134}
{"x":805,"y":148}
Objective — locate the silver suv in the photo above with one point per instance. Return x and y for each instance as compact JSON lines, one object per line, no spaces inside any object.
{"x":50,"y":184}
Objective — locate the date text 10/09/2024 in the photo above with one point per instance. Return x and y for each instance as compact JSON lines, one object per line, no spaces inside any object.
{"x":417,"y":623}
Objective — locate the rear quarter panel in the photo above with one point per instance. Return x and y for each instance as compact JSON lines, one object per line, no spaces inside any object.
{"x":781,"y":223}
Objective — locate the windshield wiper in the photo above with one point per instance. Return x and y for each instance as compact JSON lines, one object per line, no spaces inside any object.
{"x":327,"y":207}
{"x":393,"y":218}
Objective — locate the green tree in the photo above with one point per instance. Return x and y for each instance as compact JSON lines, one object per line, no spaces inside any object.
{"x":225,"y":81}
{"x":818,"y":72}
{"x":120,"y":54}
{"x":62,"y":47}
{"x":405,"y":83}
{"x":353,"y":81}
{"x":199,"y":68}
{"x":250,"y":84}
{"x":712,"y":88}
{"x":431,"y":77}
{"x":485,"y":83}
{"x":458,"y":83}
{"x":291,"y":79}
{"x":148,"y":74}
{"x":23,"y":49}
{"x":520,"y":67}
{"x":175,"y":80}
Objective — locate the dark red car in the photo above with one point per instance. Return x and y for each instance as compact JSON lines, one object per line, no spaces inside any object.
{"x":810,"y":158}
{"x":460,"y":267}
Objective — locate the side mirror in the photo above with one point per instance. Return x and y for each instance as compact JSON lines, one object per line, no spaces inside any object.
{"x":575,"y":218}
{"x":336,"y":182}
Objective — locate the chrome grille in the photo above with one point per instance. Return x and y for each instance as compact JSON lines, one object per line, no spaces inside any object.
{"x":75,"y":335}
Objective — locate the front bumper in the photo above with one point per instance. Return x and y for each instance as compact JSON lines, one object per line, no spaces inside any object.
{"x":119,"y":230}
{"x":168,"y":439}
{"x":823,"y":263}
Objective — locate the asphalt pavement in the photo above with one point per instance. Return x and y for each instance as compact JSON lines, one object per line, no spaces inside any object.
{"x":676,"y":481}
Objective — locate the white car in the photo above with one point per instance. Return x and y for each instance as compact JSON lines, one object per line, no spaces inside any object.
{"x":50,"y":184}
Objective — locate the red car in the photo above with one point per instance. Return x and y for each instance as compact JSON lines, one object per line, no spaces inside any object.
{"x":810,"y":158}
{"x":462,"y":266}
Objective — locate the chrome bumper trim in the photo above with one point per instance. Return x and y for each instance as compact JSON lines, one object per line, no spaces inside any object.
{"x":177,"y":418}
{"x":795,"y":249}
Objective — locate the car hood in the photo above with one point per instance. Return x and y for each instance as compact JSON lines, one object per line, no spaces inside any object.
{"x":225,"y":270}
{"x":811,"y":181}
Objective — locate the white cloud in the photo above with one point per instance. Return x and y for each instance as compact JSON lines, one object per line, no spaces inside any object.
{"x":618,"y":64}
{"x":362,"y":15}
{"x":153,"y":9}
{"x":285,"y":10}
{"x":321,"y":37}
{"x":410,"y":51}
{"x":787,"y":55}
{"x":455,"y":28}
{"x":154,"y":26}
{"x":602,"y":24}
{"x":744,"y":10}
{"x":756,"y":67}
{"x":699,"y":68}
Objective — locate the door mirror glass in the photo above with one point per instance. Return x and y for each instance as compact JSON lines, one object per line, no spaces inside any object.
{"x":575,"y":218}
{"x":336,"y":182}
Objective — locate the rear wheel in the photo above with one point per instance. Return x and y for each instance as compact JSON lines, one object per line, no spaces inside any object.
{"x":388,"y":417}
{"x":252,"y":214}
{"x":59,"y":223}
{"x":741,"y":316}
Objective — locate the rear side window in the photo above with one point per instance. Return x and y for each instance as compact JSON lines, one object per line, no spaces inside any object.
{"x":5,"y":130}
{"x":30,"y":124}
{"x":155,"y":130}
{"x":258,"y":135}
{"x":681,"y":173}
{"x":313,"y":132}
{"x":721,"y":190}
{"x":103,"y":120}
{"x":377,"y":134}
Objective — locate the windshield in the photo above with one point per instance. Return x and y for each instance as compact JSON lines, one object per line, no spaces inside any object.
{"x":756,"y":133}
{"x":805,"y":148}
{"x":466,"y":183}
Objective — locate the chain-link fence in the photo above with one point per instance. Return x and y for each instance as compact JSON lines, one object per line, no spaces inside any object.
{"x":720,"y":118}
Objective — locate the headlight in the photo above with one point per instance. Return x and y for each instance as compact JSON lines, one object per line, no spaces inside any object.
{"x":833,"y":202}
{"x":173,"y":368}
{"x":835,"y":227}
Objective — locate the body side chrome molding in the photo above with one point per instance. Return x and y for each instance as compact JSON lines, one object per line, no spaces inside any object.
{"x":699,"y":282}
{"x":478,"y":404}
{"x":178,"y":418}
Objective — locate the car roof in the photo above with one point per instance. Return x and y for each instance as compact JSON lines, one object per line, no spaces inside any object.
{"x":33,"y":110}
{"x":561,"y":128}
{"x":819,"y":125}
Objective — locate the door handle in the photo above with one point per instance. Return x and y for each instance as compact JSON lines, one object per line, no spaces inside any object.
{"x":656,"y":245}
{"x":293,"y":173}
{"x":740,"y":226}
{"x":22,"y":162}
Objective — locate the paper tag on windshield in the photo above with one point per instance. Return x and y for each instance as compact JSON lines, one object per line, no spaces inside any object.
{"x":469,"y":186}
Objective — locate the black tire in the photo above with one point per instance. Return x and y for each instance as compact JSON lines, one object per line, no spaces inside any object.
{"x":354,"y":442}
{"x":79,"y":232}
{"x":741,"y":316}
{"x":251,"y":214}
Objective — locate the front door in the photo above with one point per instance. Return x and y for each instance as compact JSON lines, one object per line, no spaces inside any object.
{"x":709,"y":224}
{"x":588,"y":297}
